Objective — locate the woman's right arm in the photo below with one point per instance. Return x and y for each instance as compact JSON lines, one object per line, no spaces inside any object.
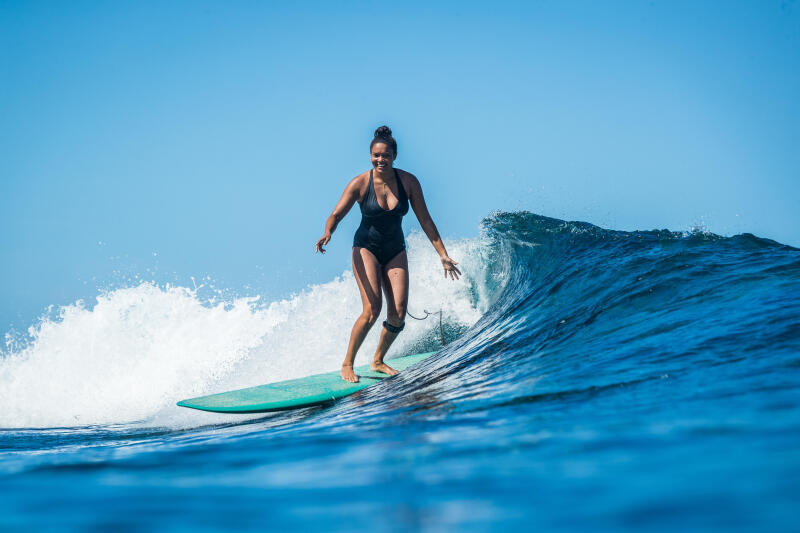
{"x":349,"y":197}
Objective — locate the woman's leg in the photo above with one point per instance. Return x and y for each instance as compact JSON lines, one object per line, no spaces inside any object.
{"x":395,"y":285}
{"x":367,"y":272}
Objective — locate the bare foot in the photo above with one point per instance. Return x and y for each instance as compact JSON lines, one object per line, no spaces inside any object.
{"x":348,"y":374}
{"x":382,"y":367}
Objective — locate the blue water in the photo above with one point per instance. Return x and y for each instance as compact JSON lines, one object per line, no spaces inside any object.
{"x":610,"y":381}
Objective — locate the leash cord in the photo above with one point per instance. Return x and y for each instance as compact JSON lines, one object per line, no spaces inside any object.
{"x":427,"y":314}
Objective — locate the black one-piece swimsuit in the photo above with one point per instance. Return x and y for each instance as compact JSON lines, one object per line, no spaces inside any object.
{"x":381,"y":230}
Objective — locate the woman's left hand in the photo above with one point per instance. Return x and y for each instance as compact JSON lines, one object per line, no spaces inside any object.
{"x":450,"y":267}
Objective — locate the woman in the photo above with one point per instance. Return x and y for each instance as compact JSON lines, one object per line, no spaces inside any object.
{"x":379,"y":250}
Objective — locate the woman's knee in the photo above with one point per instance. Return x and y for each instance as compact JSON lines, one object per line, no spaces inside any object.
{"x":371,"y":313}
{"x":396,"y":314}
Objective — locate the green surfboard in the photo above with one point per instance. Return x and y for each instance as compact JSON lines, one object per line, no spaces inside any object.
{"x":295,"y":393}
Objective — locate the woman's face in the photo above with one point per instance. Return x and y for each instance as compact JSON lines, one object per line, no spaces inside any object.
{"x":382,"y":156}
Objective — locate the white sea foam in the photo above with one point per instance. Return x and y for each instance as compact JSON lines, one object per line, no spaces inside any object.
{"x":138,"y":350}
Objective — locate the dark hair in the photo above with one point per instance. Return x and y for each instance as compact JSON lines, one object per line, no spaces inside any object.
{"x":384,"y":135}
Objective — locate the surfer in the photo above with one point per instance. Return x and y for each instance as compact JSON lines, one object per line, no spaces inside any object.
{"x":379,"y":249}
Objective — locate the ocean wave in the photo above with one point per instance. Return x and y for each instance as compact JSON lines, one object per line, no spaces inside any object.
{"x":547,"y":309}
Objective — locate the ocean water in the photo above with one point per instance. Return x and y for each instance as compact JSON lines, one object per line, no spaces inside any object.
{"x":591,"y":380}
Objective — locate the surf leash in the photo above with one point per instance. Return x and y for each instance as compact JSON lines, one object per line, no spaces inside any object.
{"x":427,"y":314}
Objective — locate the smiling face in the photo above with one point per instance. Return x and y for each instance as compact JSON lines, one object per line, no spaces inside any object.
{"x":382,"y":156}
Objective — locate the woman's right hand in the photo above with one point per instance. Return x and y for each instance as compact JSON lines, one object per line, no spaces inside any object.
{"x":322,"y":242}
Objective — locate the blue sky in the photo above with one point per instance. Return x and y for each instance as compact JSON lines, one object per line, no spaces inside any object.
{"x":169,"y":140}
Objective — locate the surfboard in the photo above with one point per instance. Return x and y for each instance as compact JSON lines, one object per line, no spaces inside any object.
{"x":296,"y":393}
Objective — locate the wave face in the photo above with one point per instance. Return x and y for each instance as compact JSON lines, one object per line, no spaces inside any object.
{"x":651,"y":376}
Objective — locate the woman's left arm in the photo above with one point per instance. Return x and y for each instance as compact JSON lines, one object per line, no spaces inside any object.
{"x":417,"y":201}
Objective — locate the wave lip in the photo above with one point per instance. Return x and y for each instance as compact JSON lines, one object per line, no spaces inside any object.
{"x":589,"y":307}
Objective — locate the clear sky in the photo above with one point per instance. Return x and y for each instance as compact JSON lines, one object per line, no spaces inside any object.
{"x":169,"y":140}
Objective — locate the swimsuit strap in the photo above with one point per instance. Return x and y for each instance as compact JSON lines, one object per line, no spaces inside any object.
{"x":370,"y":187}
{"x":399,"y":186}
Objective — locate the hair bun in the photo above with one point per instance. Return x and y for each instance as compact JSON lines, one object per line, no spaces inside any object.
{"x":384,"y":135}
{"x":383,"y":131}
